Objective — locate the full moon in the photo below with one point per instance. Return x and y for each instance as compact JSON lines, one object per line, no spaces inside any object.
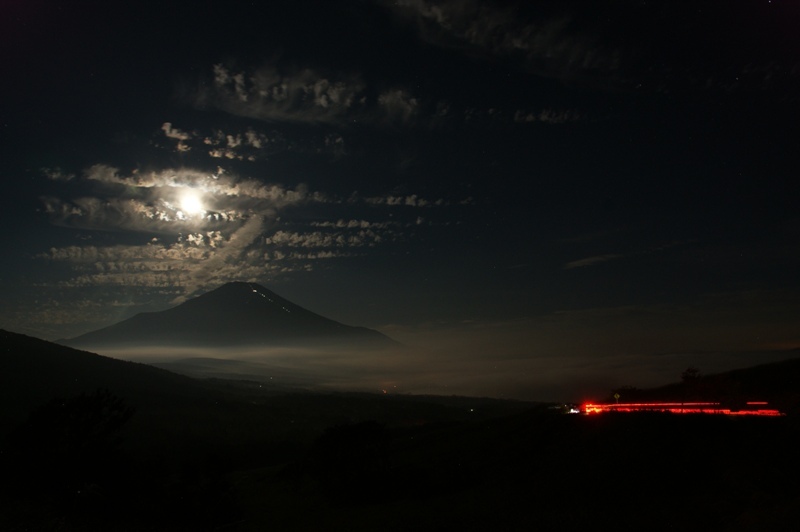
{"x":191,"y":204}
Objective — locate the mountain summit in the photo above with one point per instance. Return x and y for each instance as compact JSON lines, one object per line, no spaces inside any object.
{"x":235,"y":314}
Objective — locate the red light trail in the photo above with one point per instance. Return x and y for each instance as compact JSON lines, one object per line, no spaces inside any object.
{"x":752,"y":408}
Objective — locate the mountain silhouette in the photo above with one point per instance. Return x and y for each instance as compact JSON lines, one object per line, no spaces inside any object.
{"x":235,"y":314}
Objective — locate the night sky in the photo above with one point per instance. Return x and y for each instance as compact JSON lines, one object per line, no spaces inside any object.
{"x":545,"y":197}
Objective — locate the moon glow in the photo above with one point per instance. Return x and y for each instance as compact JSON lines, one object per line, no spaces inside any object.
{"x":191,"y":203}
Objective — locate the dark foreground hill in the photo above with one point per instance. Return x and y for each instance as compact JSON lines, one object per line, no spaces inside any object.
{"x":33,"y":371}
{"x":92,"y":443}
{"x":225,"y":455}
{"x":235,"y":314}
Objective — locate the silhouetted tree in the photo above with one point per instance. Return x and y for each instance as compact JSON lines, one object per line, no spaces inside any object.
{"x":690,"y":379}
{"x":68,"y":447}
{"x":690,"y":374}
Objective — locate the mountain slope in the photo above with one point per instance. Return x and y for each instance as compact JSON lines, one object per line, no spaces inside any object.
{"x":33,"y":371}
{"x":235,"y":314}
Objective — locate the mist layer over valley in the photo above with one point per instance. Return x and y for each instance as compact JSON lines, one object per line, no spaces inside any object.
{"x":246,"y":331}
{"x":446,"y":370}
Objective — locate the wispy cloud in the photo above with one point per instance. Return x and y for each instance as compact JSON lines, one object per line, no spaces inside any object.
{"x":353,"y":224}
{"x":549,"y":43}
{"x":305,"y":96}
{"x":250,"y":144}
{"x":317,"y":239}
{"x":591,"y":261}
{"x":227,"y":262}
{"x":398,"y":106}
{"x":656,"y":248}
{"x":547,"y":116}
{"x":240,"y":146}
{"x":408,"y":201}
{"x":182,"y":230}
{"x":295,"y":96}
{"x":56,"y":174}
{"x":194,"y":262}
{"x":217,"y":221}
{"x":154,"y":201}
{"x":198,"y":229}
{"x":594,"y":43}
{"x":177,"y":134}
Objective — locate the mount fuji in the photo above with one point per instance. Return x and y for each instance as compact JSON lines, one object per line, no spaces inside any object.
{"x":235,"y":314}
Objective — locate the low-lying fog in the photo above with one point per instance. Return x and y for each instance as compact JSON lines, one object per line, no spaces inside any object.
{"x":492,"y":362}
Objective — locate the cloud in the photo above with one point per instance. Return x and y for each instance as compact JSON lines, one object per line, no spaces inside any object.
{"x":183,"y":230}
{"x":597,"y":259}
{"x":56,"y":174}
{"x":352,"y":224}
{"x":237,"y":235}
{"x":590,"y":261}
{"x":278,"y":255}
{"x":116,"y":257}
{"x":306,"y":96}
{"x":129,"y":214}
{"x":549,"y":43}
{"x":195,"y":261}
{"x":177,"y":134}
{"x":240,"y":146}
{"x":152,"y":201}
{"x":251,"y":144}
{"x":334,"y":144}
{"x":318,"y":239}
{"x":303,"y":95}
{"x":594,"y":43}
{"x":294,"y":96}
{"x":547,"y":116}
{"x":408,"y":201}
{"x":398,"y":106}
{"x":222,"y":242}
{"x":227,"y":262}
{"x":174,"y":133}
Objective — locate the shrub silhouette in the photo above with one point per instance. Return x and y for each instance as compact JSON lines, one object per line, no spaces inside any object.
{"x":69,"y":447}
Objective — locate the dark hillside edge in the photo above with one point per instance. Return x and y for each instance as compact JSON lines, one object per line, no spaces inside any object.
{"x":33,"y":371}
